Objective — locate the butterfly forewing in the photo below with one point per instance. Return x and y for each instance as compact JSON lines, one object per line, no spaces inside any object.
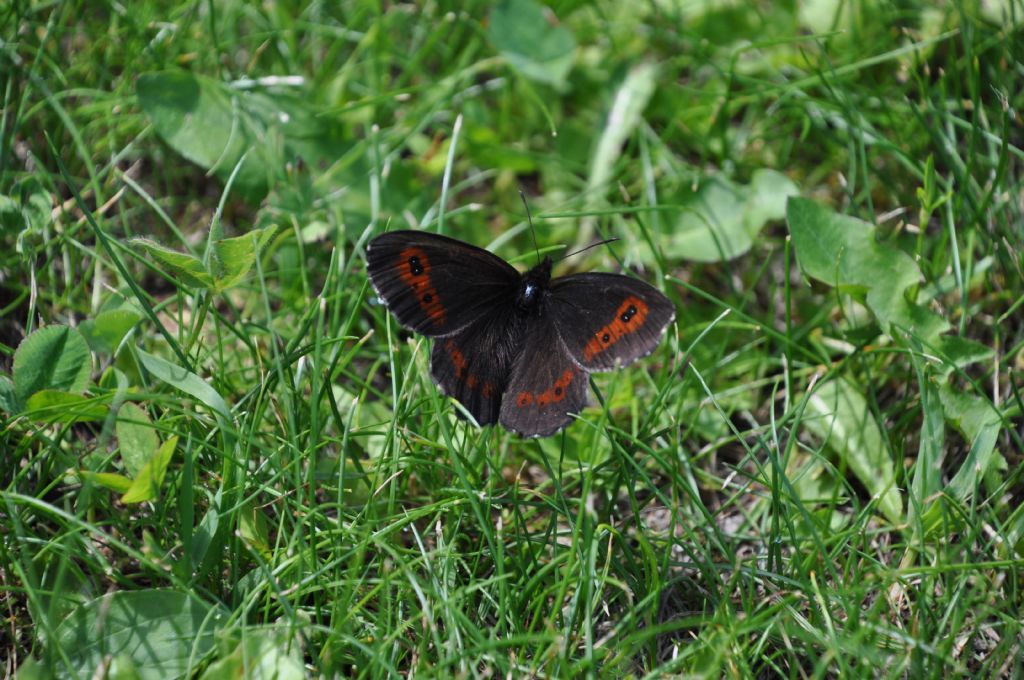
{"x":546,"y":384}
{"x":608,"y":320}
{"x":436,"y":285}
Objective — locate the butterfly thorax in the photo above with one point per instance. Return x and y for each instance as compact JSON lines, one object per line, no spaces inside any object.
{"x":533,"y":287}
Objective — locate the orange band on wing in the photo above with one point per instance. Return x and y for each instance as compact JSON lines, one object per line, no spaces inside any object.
{"x":458,"y":359}
{"x":414,"y":270}
{"x":629,"y":317}
{"x":460,"y":363}
{"x":551,"y":395}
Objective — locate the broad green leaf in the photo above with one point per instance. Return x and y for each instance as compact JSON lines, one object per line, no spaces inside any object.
{"x":1004,"y":13}
{"x":28,"y":209}
{"x":838,"y":414}
{"x":9,"y":402}
{"x":30,"y":669}
{"x":146,"y":486}
{"x":485,"y":146}
{"x":36,"y":202}
{"x":977,"y":462}
{"x":11,"y":220}
{"x":263,"y":654}
{"x":105,"y":332}
{"x":202,"y":539}
{"x":893,"y":309}
{"x":204,"y":121}
{"x":842,"y":251}
{"x":962,"y":352}
{"x":732,"y":25}
{"x":252,"y":527}
{"x":165,"y":633}
{"x":136,"y":437}
{"x":186,"y":381}
{"x":823,"y":16}
{"x":927,"y":479}
{"x":524,"y":33}
{"x":367,"y":413}
{"x":122,"y":667}
{"x":1015,"y":530}
{"x":712,"y":229}
{"x":812,"y":480}
{"x":54,"y":357}
{"x":237,"y":255}
{"x":980,"y":424}
{"x":968,"y":412}
{"x":55,"y":406}
{"x":215,"y":126}
{"x":109,"y":480}
{"x":765,"y":199}
{"x":723,"y":219}
{"x":182,"y":267}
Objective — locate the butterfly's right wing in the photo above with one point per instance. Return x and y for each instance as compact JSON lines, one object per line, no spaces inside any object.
{"x":608,"y":320}
{"x":437,"y":285}
{"x":546,"y":385}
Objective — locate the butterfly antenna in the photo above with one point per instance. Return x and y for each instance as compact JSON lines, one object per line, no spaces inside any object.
{"x":592,"y":245}
{"x":529,"y":217}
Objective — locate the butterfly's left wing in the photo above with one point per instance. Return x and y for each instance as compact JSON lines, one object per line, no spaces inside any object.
{"x":546,"y":385}
{"x":608,"y":320}
{"x":473,"y":364}
{"x":437,"y":285}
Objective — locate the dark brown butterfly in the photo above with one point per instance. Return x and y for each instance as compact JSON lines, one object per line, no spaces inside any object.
{"x":514,"y":348}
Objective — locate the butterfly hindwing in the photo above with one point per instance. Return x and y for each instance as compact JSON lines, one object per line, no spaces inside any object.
{"x":546,"y":385}
{"x":436,"y":285}
{"x":473,"y":364}
{"x":608,"y":320}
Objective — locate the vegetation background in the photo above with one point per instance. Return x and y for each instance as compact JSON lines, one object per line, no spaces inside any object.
{"x":219,"y":455}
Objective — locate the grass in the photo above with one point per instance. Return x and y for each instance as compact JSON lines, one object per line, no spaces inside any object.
{"x":817,"y":473}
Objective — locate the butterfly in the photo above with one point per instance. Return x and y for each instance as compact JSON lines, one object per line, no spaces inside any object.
{"x":513,"y":348}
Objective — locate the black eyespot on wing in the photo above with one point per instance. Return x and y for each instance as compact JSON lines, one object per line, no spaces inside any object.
{"x":436,"y":285}
{"x":608,"y":320}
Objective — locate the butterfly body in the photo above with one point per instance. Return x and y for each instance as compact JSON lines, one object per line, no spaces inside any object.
{"x":513,"y":348}
{"x":533,"y":288}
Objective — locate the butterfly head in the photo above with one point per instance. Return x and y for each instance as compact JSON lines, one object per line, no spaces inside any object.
{"x":533,"y":287}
